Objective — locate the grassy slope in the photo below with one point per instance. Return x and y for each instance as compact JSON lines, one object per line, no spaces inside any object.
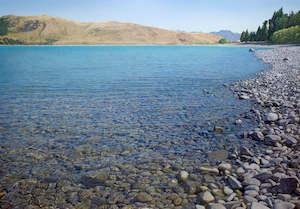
{"x":53,"y":30}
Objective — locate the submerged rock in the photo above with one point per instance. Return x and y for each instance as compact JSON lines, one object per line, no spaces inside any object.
{"x":143,"y":197}
{"x":218,"y":155}
{"x":90,"y":182}
{"x":219,"y":129}
{"x":209,"y":170}
{"x":183,"y":176}
{"x":251,"y":50}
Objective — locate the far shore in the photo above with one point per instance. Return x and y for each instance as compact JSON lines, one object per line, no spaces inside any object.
{"x":249,"y":45}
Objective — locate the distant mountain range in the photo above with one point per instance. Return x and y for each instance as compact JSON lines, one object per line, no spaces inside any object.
{"x":51,"y":30}
{"x":229,"y":35}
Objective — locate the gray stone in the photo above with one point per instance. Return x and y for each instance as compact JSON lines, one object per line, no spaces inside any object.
{"x":290,"y":141}
{"x":251,"y":181}
{"x":232,"y":204}
{"x":255,"y":160}
{"x":234,"y":183}
{"x":216,"y":206}
{"x":263,"y":177}
{"x":143,"y":197}
{"x":245,"y":151}
{"x":213,"y":186}
{"x":90,"y":182}
{"x":256,"y":205}
{"x":240,"y":171}
{"x":287,"y":185}
{"x":252,"y":193}
{"x":252,"y":187}
{"x":230,"y":197}
{"x":244,"y":96}
{"x":200,"y":207}
{"x":209,"y":170}
{"x":249,"y":199}
{"x":270,"y":117}
{"x":272,"y":140}
{"x":207,"y":197}
{"x":264,"y":161}
{"x":284,"y":197}
{"x":257,"y":136}
{"x":252,"y":166}
{"x":218,"y":155}
{"x":261,"y":197}
{"x":227,"y":190}
{"x":283,"y":205}
{"x":192,"y":188}
{"x":224,"y":166}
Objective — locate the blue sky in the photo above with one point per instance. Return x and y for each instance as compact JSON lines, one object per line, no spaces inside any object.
{"x":187,"y":15}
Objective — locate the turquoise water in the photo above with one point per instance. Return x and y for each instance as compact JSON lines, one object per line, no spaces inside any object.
{"x":67,"y":111}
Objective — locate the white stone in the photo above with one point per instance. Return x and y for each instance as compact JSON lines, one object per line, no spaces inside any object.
{"x":238,"y":122}
{"x":271,"y":117}
{"x":184,"y":176}
{"x":240,"y":171}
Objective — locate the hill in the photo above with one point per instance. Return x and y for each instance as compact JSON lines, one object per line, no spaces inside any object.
{"x":51,"y":30}
{"x":229,"y":35}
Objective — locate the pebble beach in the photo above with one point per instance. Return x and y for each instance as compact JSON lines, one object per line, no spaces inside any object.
{"x":268,"y":174}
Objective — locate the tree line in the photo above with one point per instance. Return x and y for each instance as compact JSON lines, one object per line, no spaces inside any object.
{"x":279,"y":21}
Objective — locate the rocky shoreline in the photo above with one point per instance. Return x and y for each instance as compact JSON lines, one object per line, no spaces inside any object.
{"x":267,"y":175}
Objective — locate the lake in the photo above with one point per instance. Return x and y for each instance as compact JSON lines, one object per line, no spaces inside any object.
{"x":115,"y":120}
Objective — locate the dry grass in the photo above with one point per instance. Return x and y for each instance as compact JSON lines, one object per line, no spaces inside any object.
{"x":58,"y":31}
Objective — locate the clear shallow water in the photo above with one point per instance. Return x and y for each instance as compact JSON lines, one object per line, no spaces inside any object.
{"x":69,"y":111}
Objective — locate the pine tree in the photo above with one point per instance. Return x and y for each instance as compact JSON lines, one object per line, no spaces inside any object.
{"x":247,"y":36}
{"x":252,"y":36}
{"x":265,"y":32}
{"x":242,"y":39}
{"x":258,"y":36}
{"x":274,"y":22}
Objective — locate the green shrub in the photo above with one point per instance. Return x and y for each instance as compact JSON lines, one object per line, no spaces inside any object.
{"x":8,"y":41}
{"x":3,"y":27}
{"x":223,"y":41}
{"x":289,"y":35}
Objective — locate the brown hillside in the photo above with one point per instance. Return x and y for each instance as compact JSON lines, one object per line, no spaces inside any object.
{"x":53,"y":30}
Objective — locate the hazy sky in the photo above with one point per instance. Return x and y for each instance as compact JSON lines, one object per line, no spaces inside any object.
{"x":188,"y":15}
